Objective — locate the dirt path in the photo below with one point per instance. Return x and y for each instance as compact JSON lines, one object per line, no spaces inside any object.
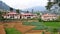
{"x":2,"y":31}
{"x":23,"y":28}
{"x":18,"y":25}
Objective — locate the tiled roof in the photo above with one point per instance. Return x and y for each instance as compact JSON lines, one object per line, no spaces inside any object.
{"x":12,"y":13}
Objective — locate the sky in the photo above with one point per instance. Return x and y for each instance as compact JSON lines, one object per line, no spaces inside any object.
{"x":23,"y":4}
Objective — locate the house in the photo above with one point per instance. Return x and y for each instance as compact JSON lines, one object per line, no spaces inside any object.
{"x":12,"y":15}
{"x":28,"y":15}
{"x":47,"y":17}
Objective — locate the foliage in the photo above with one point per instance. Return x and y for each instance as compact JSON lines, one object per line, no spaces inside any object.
{"x":49,"y":5}
{"x":27,"y":11}
{"x":39,"y":26}
{"x":1,"y":17}
{"x":11,"y":9}
{"x":55,"y":30}
{"x":33,"y":23}
{"x":52,"y":24}
{"x":59,"y":4}
{"x":17,"y":10}
{"x":12,"y":31}
{"x":40,"y":20}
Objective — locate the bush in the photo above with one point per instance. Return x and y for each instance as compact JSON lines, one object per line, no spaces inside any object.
{"x":40,"y":20}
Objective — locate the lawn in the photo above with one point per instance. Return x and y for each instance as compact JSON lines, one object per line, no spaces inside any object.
{"x":12,"y":31}
{"x":52,"y":24}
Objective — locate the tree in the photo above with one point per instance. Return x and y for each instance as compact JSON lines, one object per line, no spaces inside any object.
{"x":59,"y":4}
{"x":49,"y":5}
{"x":11,"y":9}
{"x":17,"y":10}
{"x":1,"y":17}
{"x":27,"y":11}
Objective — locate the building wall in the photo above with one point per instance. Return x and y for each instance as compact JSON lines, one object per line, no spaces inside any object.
{"x":48,"y":17}
{"x":12,"y":17}
{"x":26,"y":17}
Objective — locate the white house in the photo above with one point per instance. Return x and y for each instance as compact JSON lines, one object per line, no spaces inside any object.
{"x":47,"y":17}
{"x":28,"y":15}
{"x":12,"y":15}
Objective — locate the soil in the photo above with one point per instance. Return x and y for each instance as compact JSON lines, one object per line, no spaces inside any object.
{"x":2,"y":31}
{"x":18,"y":25}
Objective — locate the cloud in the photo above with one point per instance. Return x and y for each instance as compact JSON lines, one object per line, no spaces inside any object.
{"x":22,"y":4}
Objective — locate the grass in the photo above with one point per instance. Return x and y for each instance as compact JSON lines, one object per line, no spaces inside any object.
{"x":52,"y":24}
{"x":12,"y":31}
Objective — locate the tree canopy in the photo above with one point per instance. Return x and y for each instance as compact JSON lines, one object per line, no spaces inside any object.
{"x":17,"y":10}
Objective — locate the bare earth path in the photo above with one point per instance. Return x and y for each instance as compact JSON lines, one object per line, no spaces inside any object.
{"x":2,"y":31}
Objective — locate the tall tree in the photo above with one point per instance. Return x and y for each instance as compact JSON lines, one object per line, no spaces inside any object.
{"x":17,"y":10}
{"x":27,"y":11}
{"x":59,"y":4}
{"x":11,"y":9}
{"x":49,"y":5}
{"x":1,"y":17}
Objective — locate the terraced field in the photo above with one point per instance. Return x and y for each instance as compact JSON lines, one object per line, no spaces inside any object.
{"x":23,"y":27}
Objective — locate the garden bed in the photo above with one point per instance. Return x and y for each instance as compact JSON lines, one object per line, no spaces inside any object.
{"x":12,"y":31}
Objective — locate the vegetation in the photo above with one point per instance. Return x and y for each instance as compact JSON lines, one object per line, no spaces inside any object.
{"x":17,"y":10}
{"x":32,"y":23}
{"x":1,"y":17}
{"x":12,"y":31}
{"x":39,"y":26}
{"x":49,"y":5}
{"x":49,"y":26}
{"x":55,"y":30}
{"x":11,"y":9}
{"x":52,"y":24}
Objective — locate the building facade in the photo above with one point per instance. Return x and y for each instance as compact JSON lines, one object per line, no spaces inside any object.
{"x":48,"y":17}
{"x":28,"y":16}
{"x":12,"y":15}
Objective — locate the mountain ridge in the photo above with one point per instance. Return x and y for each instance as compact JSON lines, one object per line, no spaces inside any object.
{"x":36,"y":8}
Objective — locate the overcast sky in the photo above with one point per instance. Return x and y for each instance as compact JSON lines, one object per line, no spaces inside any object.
{"x":22,"y":4}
